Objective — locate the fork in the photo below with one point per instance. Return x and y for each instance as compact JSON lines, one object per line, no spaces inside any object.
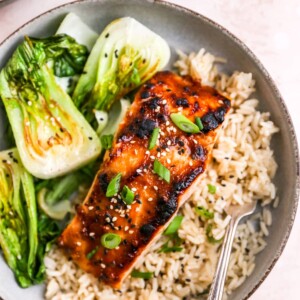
{"x":237,"y":213}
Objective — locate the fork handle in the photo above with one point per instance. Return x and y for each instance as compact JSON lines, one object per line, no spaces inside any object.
{"x":217,"y":287}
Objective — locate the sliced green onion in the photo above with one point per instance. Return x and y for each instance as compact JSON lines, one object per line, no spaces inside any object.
{"x":153,"y":138}
{"x":92,"y":253}
{"x":127,"y":195}
{"x":106,"y":141}
{"x":161,"y":171}
{"x":212,"y":188}
{"x":204,"y":213}
{"x":114,"y":186}
{"x":174,"y":225}
{"x":143,"y":275}
{"x":210,"y":237}
{"x":110,"y":240}
{"x":199,"y":123}
{"x":184,"y":123}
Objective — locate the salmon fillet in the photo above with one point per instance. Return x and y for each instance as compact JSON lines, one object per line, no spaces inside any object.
{"x":156,"y":201}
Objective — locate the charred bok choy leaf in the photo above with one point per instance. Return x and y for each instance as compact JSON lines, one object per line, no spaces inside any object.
{"x":126,"y":54}
{"x":22,"y":238}
{"x":52,"y":136}
{"x":55,"y":195}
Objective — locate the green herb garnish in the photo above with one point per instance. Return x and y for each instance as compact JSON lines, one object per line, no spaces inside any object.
{"x":161,"y":171}
{"x":110,"y":240}
{"x":92,"y":253}
{"x":153,"y":138}
{"x":114,"y":186}
{"x":212,"y":188}
{"x":143,"y":275}
{"x":172,"y":244}
{"x":106,"y":141}
{"x":210,"y":237}
{"x":184,"y":123}
{"x":199,"y":123}
{"x":174,"y":225}
{"x":204,"y":213}
{"x":127,"y":195}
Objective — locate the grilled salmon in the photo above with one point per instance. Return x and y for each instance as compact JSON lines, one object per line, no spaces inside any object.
{"x":157,"y":198}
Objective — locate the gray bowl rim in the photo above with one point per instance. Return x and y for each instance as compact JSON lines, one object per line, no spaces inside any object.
{"x":265,"y":73}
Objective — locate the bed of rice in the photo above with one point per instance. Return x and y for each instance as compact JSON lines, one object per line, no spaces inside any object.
{"x":242,"y":169}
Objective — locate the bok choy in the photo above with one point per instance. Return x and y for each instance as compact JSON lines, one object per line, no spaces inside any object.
{"x":22,"y":237}
{"x":52,"y":136}
{"x":126,"y":54}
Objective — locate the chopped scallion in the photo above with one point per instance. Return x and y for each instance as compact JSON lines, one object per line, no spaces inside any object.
{"x":92,"y":253}
{"x":161,"y":171}
{"x":212,"y":188}
{"x":143,"y":275}
{"x":127,"y":195}
{"x":153,"y":138}
{"x":199,"y":123}
{"x":204,"y":213}
{"x":106,"y":141}
{"x":210,"y":236}
{"x":114,"y":186}
{"x":174,"y":225}
{"x":184,"y":123}
{"x":110,"y":240}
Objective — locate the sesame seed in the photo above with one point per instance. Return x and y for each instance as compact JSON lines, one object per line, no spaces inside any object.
{"x":132,"y":142}
{"x":164,"y":101}
{"x":128,"y":206}
{"x":168,"y":160}
{"x":134,"y":189}
{"x":190,"y":163}
{"x":126,"y":228}
{"x":91,"y":207}
{"x":145,"y":170}
{"x":180,"y":108}
{"x":145,"y":187}
{"x":158,"y":155}
{"x":147,"y":152}
{"x":169,"y":143}
{"x":117,"y":248}
{"x":168,"y":123}
{"x":111,"y":207}
{"x":131,"y":231}
{"x":195,"y":141}
{"x":137,"y":209}
{"x":114,"y":219}
{"x":163,"y":153}
{"x":150,"y":199}
{"x":107,"y":219}
{"x":92,"y":233}
{"x":152,"y":157}
{"x":155,"y":187}
{"x":135,"y":152}
{"x":162,"y":133}
{"x":139,"y":171}
{"x":168,"y":150}
{"x":103,"y":266}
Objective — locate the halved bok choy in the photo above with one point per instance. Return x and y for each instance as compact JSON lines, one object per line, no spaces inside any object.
{"x":126,"y":54}
{"x":52,"y":136}
{"x":23,"y":238}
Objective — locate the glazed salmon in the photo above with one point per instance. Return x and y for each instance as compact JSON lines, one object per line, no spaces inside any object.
{"x":156,"y":200}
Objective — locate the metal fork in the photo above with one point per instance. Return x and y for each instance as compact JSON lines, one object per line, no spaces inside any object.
{"x":237,"y":213}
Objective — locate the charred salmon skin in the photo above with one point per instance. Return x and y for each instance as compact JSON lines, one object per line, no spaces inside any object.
{"x":159,"y":167}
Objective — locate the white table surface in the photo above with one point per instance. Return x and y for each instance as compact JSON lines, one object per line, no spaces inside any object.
{"x":271,"y":29}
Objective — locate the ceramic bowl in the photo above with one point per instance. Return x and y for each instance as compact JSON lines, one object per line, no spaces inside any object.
{"x":188,"y":31}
